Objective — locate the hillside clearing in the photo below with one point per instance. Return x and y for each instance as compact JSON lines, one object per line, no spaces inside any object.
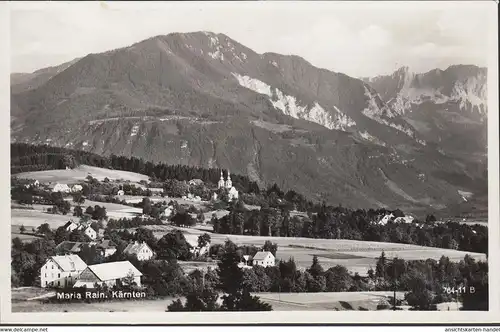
{"x":80,"y":173}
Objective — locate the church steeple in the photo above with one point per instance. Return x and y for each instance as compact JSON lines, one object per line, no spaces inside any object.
{"x":229,"y":183}
{"x":221,"y":180}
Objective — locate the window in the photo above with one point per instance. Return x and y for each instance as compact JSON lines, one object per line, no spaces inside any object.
{"x":59,"y":275}
{"x":58,"y":283}
{"x":52,"y":267}
{"x":45,"y":275}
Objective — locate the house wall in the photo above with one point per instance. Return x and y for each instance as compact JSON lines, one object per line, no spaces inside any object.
{"x":71,"y":227}
{"x":91,"y":233}
{"x":268,"y":261}
{"x":109,"y":252}
{"x":144,"y":254}
{"x":52,"y":276}
{"x":88,"y":276}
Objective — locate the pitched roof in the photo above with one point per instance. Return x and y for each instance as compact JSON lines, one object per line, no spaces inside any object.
{"x":69,"y":262}
{"x":134,"y":248}
{"x":114,"y":270}
{"x":106,"y":244}
{"x":70,"y":246}
{"x":68,"y":223}
{"x":261,"y":255}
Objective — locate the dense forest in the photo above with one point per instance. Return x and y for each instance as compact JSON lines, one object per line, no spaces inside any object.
{"x":341,"y":223}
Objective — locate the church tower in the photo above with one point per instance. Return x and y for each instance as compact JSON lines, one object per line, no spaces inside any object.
{"x":221,"y":180}
{"x":229,"y":183}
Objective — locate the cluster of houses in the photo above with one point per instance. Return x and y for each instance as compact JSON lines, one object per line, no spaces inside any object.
{"x":67,"y":269}
{"x":65,"y":188}
{"x":71,"y":271}
{"x":391,"y":217}
{"x":261,"y":258}
{"x":104,"y":248}
{"x":84,"y":227}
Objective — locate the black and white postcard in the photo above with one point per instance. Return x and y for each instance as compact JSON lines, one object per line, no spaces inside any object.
{"x":295,"y":162}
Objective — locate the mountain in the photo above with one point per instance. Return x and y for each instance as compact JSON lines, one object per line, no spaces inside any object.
{"x":447,"y":107}
{"x":204,"y":99}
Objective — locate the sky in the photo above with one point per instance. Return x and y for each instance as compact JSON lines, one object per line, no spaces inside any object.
{"x":360,"y":39}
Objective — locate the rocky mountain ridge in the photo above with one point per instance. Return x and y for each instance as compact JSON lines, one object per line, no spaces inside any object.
{"x":204,"y":99}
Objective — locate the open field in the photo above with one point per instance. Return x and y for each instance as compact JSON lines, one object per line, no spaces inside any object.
{"x":27,"y":236}
{"x":357,"y":256}
{"x":25,"y":299}
{"x":114,"y":210}
{"x":327,"y":301}
{"x":80,"y":173}
{"x":36,"y":217}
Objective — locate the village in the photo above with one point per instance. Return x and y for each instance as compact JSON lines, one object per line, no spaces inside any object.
{"x":67,"y":269}
{"x":97,"y":235}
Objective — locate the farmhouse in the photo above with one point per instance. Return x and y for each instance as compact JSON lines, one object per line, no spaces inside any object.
{"x":111,"y":274}
{"x":106,"y":247}
{"x":404,"y":220}
{"x":195,"y":248}
{"x":140,"y":250}
{"x":61,"y":271}
{"x":76,"y":188}
{"x":264,"y":258}
{"x":120,"y":192}
{"x":246,"y":262}
{"x":70,"y":226}
{"x":32,"y":184}
{"x":385,"y":219}
{"x":195,"y":182}
{"x":89,"y":231}
{"x":69,"y":247}
{"x":59,"y":187}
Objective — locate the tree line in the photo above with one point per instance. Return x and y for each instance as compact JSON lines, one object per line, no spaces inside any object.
{"x":341,"y":223}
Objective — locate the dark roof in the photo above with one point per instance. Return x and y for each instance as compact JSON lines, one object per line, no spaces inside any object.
{"x":67,"y":224}
{"x":261,"y":255}
{"x":70,"y":246}
{"x":106,"y":244}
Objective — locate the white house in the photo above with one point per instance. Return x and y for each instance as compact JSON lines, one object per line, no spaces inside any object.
{"x":106,"y":247}
{"x":264,"y":258}
{"x":195,"y":182}
{"x":76,"y":188}
{"x":385,"y":219}
{"x":61,"y":187}
{"x":195,"y":248}
{"x":140,"y":250}
{"x":89,"y":231}
{"x":404,"y":220}
{"x":109,"y":274}
{"x":168,"y":211}
{"x":245,"y":262}
{"x":61,"y":271}
{"x":32,"y":184}
{"x":70,"y":226}
{"x":121,"y":192}
{"x":233,"y":194}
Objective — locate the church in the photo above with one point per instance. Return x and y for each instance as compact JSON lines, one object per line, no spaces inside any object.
{"x":228,"y":185}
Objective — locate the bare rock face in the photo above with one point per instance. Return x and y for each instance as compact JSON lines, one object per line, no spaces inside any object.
{"x":204,"y":99}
